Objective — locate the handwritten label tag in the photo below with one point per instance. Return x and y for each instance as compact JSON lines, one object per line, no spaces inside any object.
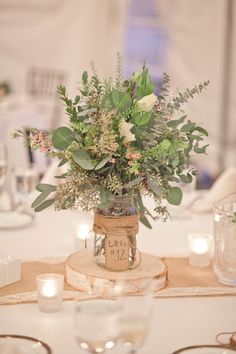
{"x":117,"y":252}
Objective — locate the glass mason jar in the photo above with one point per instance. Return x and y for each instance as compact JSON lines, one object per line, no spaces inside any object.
{"x":115,"y":232}
{"x":224,"y":260}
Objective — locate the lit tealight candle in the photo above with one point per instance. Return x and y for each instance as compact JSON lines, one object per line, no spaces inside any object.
{"x":83,"y":238}
{"x":49,"y":289}
{"x":50,"y":292}
{"x":200,"y":248}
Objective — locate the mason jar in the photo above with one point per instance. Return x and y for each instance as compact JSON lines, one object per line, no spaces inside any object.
{"x":119,"y":223}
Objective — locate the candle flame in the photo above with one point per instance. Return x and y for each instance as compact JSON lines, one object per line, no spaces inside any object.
{"x":83,"y":231}
{"x":200,"y":245}
{"x":49,"y":289}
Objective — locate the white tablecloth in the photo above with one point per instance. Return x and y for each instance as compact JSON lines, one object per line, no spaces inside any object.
{"x":53,"y":234}
{"x":177,"y":322}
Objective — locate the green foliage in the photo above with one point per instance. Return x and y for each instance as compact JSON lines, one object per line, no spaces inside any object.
{"x":121,"y":139}
{"x":44,"y":205}
{"x":62,"y":138}
{"x":174,"y":195}
{"x":102,"y":163}
{"x":45,"y":190}
{"x":82,"y":158}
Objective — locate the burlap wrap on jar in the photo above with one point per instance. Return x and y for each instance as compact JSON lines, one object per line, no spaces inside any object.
{"x":117,"y":250}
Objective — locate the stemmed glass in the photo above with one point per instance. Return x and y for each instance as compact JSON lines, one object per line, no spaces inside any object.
{"x":96,"y":324}
{"x":24,"y":182}
{"x":135,"y":321}
{"x":3,"y":165}
{"x":136,"y":318}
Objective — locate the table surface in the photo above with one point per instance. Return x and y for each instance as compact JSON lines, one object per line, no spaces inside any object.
{"x":177,"y":322}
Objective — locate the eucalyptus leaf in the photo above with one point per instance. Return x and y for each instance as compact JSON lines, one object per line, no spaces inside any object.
{"x":165,"y":144}
{"x":153,"y":186}
{"x":200,"y":150}
{"x":195,"y":137}
{"x":174,"y":179}
{"x":103,"y":195}
{"x":134,"y":182}
{"x":176,"y":122}
{"x":44,"y":205}
{"x":85,"y":77}
{"x":110,"y":196}
{"x":145,"y":222}
{"x":82,"y":158}
{"x":63,"y":175}
{"x":102,"y":163}
{"x":79,"y":138}
{"x":68,"y":202}
{"x":125,"y":102}
{"x":138,"y":201}
{"x":115,"y":97}
{"x":142,"y":118}
{"x":43,"y":187}
{"x":63,"y":162}
{"x":174,"y":195}
{"x":62,"y":138}
{"x":201,"y":130}
{"x":105,"y":205}
{"x":186,"y":178}
{"x":188,"y":127}
{"x":194,"y":172}
{"x":40,"y":198}
{"x":149,"y":214}
{"x":77,"y":99}
{"x":190,"y":177}
{"x":155,"y":166}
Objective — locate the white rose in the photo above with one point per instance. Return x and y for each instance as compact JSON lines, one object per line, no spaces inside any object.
{"x":125,"y":128}
{"x":147,"y":102}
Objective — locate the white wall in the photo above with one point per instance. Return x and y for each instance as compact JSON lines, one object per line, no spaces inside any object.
{"x":59,"y":34}
{"x":196,"y":53}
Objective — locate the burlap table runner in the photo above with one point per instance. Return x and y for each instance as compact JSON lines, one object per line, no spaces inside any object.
{"x":183,"y":280}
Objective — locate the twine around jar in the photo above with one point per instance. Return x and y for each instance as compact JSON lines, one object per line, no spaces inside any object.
{"x":109,"y":224}
{"x":119,"y":226}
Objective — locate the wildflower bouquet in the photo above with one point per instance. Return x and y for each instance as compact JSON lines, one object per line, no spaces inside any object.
{"x":121,"y":139}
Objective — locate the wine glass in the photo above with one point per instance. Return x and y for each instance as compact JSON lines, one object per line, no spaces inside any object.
{"x":135,"y":321}
{"x":3,"y":166}
{"x":24,"y":182}
{"x":96,"y":324}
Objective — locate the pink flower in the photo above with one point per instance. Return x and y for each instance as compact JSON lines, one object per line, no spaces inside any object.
{"x":133,"y":155}
{"x":40,"y":140}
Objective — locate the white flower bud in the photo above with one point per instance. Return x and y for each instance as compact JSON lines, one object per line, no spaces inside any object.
{"x":147,"y":103}
{"x":125,"y":128}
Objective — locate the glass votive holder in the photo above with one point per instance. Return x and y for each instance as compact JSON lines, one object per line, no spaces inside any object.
{"x":83,"y":237}
{"x":50,"y":292}
{"x":200,"y":249}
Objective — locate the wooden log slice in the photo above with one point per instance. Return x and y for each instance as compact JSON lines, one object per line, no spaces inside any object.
{"x":82,"y":273}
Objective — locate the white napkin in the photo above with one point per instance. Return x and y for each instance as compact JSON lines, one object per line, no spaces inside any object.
{"x":223,"y":186}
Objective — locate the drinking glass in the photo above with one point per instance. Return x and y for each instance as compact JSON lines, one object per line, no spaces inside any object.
{"x":24,"y":182}
{"x":3,"y":165}
{"x":135,"y":321}
{"x":96,"y":324}
{"x":224,"y":259}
